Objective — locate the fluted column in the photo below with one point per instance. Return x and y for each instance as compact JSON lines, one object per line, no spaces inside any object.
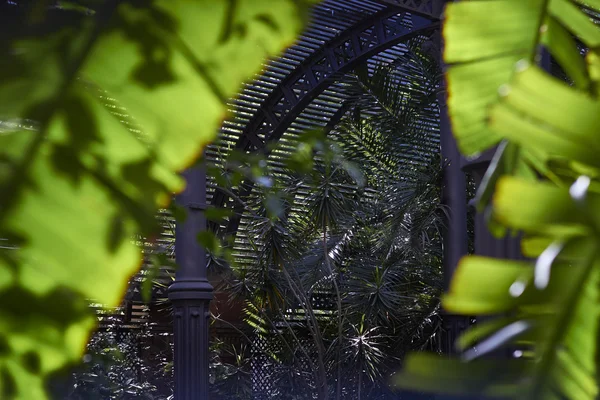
{"x":190,"y":294}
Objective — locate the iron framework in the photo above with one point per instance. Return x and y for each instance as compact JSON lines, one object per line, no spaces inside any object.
{"x":313,"y":75}
{"x":427,"y":8}
{"x":344,"y":34}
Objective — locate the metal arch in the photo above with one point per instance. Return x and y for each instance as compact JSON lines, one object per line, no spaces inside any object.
{"x":427,"y":8}
{"x":311,"y":77}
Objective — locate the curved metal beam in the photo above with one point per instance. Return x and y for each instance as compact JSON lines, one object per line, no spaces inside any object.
{"x":360,"y":42}
{"x":310,"y":78}
{"x":427,"y":8}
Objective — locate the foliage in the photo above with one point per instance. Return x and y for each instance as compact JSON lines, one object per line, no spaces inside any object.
{"x":230,"y":380}
{"x":114,"y":369}
{"x":543,"y":181}
{"x":129,"y":364}
{"x":102,"y":104}
{"x":348,"y":259}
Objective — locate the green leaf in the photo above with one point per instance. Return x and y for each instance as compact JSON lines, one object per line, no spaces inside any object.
{"x":217,"y":214}
{"x":564,"y":317}
{"x":476,"y":30}
{"x":484,"y":286}
{"x":563,"y":48}
{"x":468,"y":103}
{"x":120,"y":102}
{"x":592,"y":59}
{"x":481,"y":378}
{"x":567,"y":355}
{"x":487,"y":39}
{"x":209,"y":241}
{"x":471,"y":291}
{"x":543,"y":208}
{"x":576,"y":21}
{"x":541,"y":112}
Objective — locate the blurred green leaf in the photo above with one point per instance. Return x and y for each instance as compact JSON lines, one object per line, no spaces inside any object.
{"x":121,"y":100}
{"x":564,"y":318}
{"x":209,"y":241}
{"x":575,"y":21}
{"x":302,"y":158}
{"x":481,"y":378}
{"x":562,"y":46}
{"x":497,"y":93}
{"x":543,"y":208}
{"x":482,"y":286}
{"x":562,"y":127}
{"x":475,"y":38}
{"x":593,"y":63}
{"x":488,"y":40}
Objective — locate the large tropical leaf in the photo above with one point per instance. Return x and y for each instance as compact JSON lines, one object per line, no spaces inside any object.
{"x":570,"y":117}
{"x":119,"y":99}
{"x":561,"y":322}
{"x":545,"y":311}
{"x":551,"y":306}
{"x":488,"y":39}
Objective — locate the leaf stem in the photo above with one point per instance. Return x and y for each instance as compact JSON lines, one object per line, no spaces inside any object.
{"x":538,"y":33}
{"x":562,"y":324}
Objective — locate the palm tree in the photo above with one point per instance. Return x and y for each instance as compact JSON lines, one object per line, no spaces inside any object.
{"x":344,"y":277}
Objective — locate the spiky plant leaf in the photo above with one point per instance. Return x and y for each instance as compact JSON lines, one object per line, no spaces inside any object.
{"x":336,"y":223}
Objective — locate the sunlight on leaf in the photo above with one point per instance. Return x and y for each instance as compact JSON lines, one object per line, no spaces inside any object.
{"x":124,"y":98}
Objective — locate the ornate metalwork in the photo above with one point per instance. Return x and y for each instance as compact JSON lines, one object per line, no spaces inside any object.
{"x":427,"y":8}
{"x":311,"y":77}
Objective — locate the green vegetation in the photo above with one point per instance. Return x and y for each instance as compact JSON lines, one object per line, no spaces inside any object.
{"x":339,"y":262}
{"x":544,"y":182}
{"x":102,"y":104}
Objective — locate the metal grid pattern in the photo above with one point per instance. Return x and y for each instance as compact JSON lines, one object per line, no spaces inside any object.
{"x":266,"y":371}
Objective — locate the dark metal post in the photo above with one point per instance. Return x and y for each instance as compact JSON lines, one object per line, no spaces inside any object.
{"x":487,"y":244}
{"x":191,"y":293}
{"x":454,"y":197}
